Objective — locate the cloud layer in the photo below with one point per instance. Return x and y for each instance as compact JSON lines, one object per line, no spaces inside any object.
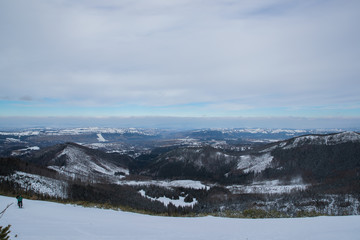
{"x":257,"y":58}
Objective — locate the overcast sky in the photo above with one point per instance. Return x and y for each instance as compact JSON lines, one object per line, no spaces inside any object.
{"x":184,"y":58}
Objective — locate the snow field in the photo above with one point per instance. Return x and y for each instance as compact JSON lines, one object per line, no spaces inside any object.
{"x":45,"y":220}
{"x":166,"y":201}
{"x":269,"y":187}
{"x":250,"y":163}
{"x":167,"y":184}
{"x":100,"y":138}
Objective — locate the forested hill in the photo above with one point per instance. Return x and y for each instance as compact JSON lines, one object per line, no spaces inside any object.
{"x":306,"y":173}
{"x":315,"y":159}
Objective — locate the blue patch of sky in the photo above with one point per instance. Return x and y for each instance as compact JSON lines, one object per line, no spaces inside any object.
{"x":54,"y":107}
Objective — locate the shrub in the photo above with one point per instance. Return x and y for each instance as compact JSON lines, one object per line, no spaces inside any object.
{"x":255,"y":213}
{"x":4,"y":232}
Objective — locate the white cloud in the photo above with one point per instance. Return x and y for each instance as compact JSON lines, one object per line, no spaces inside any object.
{"x":276,"y":54}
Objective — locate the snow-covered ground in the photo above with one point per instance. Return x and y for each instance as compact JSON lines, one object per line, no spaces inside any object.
{"x":39,"y":184}
{"x":252,"y":163}
{"x":325,"y":140}
{"x":166,"y":201}
{"x":167,"y":184}
{"x":24,"y":151}
{"x":100,"y":138}
{"x":79,"y":162}
{"x":45,"y":220}
{"x":270,"y":187}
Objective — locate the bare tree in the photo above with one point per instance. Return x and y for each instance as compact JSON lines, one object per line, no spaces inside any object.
{"x":3,"y":211}
{"x":5,"y":231}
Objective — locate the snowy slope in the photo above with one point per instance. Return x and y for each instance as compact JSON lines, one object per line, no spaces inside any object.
{"x":270,"y":187}
{"x":331,"y":139}
{"x":258,"y":163}
{"x":39,"y":184}
{"x":251,"y":163}
{"x":44,"y":220}
{"x":167,"y":184}
{"x":78,"y":162}
{"x":100,"y":138}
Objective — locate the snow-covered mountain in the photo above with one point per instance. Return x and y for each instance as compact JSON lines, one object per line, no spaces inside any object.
{"x":329,"y":139}
{"x":264,"y":156}
{"x":208,"y":175}
{"x":305,"y":159}
{"x":78,"y":131}
{"x":97,"y":134}
{"x":198,"y":162}
{"x":255,"y":134}
{"x":77,"y":161}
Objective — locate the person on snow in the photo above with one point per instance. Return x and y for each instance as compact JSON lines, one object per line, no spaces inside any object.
{"x":20,"y":203}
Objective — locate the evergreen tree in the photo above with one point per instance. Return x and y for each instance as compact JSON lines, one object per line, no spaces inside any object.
{"x":4,"y":232}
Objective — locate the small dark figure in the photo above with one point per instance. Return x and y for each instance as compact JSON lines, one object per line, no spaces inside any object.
{"x":20,"y":203}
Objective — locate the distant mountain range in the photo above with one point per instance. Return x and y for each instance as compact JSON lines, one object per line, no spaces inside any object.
{"x":303,"y":166}
{"x":314,"y":159}
{"x":135,"y":141}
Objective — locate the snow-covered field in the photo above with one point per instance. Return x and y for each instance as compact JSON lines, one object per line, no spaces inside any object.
{"x":167,"y":184}
{"x":270,"y":187}
{"x":44,"y":220}
{"x":166,"y":201}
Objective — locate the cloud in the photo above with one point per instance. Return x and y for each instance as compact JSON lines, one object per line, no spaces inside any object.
{"x":26,"y":98}
{"x":260,"y":55}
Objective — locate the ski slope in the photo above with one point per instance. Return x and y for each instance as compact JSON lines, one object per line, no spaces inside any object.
{"x":45,"y":220}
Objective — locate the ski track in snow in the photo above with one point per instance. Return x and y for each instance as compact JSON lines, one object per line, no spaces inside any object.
{"x":45,"y":220}
{"x":100,"y":138}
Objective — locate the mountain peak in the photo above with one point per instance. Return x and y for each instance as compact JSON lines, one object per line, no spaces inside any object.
{"x":329,"y":139}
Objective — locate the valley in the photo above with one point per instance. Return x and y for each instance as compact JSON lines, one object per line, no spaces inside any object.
{"x":224,"y":172}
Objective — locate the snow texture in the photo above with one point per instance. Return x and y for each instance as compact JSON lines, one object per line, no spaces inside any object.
{"x":325,"y":140}
{"x":12,"y":140}
{"x":252,"y":163}
{"x":39,"y":184}
{"x":100,"y":138}
{"x":45,"y":220}
{"x":269,"y":187}
{"x":166,"y":201}
{"x":24,"y":151}
{"x":167,"y":184}
{"x":78,"y":162}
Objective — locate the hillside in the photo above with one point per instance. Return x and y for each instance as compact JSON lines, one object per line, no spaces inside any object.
{"x":77,"y":161}
{"x":332,"y":161}
{"x":306,"y":175}
{"x":45,"y":220}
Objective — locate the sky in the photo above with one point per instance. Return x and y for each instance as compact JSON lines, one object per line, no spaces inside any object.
{"x":278,"y":59}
